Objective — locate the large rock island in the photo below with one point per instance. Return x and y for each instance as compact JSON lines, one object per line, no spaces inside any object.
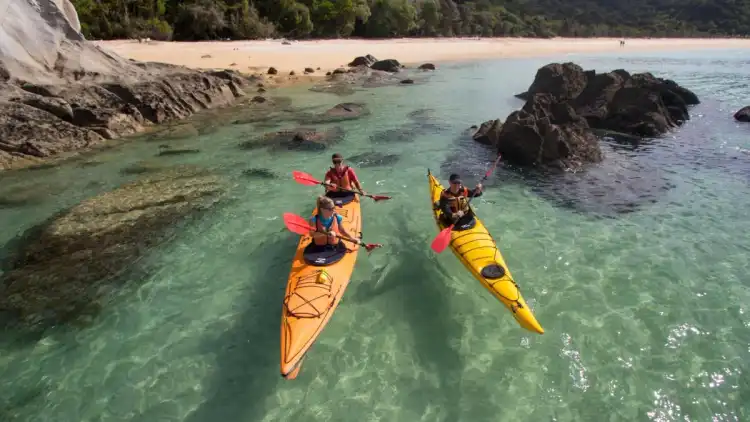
{"x":567,"y":106}
{"x":60,"y":93}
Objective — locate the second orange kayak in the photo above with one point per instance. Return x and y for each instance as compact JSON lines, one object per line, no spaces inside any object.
{"x":316,"y":284}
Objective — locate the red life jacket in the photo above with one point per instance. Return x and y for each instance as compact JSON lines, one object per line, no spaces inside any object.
{"x":341,"y":180}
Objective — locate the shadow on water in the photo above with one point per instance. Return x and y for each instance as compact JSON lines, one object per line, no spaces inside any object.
{"x":426,"y":310}
{"x":248,"y":353}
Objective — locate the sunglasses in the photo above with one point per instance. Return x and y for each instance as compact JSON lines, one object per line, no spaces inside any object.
{"x":338,"y":161}
{"x":329,"y":209}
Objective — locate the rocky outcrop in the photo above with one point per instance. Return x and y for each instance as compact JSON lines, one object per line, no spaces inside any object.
{"x":59,"y":93}
{"x":67,"y":266}
{"x":389,"y":65}
{"x":488,"y":132}
{"x":565,"y":105}
{"x":367,"y":60}
{"x":743,"y":114}
{"x":338,"y":113}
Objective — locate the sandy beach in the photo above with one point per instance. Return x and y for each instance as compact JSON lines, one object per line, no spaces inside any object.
{"x":326,"y":55}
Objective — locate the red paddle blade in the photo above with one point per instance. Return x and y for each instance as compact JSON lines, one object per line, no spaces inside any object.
{"x":371,"y":246}
{"x":380,"y":197}
{"x":442,"y":240}
{"x":305,"y":178}
{"x":296,"y":224}
{"x":497,"y":160}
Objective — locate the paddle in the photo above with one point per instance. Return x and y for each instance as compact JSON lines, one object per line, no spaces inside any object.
{"x":299,"y":225}
{"x":443,"y":238}
{"x":309,"y":180}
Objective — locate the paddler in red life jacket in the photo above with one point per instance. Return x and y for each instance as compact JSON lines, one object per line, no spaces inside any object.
{"x":454,"y":201}
{"x":327,"y":224}
{"x":341,"y":177}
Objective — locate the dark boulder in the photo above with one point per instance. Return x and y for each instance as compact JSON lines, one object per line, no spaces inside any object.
{"x":743,"y":114}
{"x":389,"y":65}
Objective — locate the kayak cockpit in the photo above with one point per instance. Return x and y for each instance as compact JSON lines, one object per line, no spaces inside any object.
{"x":321,"y":256}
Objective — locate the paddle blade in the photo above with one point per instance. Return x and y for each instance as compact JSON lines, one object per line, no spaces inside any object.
{"x":442,"y":240}
{"x":296,"y":224}
{"x":370,"y":246}
{"x":305,"y":178}
{"x":489,"y":172}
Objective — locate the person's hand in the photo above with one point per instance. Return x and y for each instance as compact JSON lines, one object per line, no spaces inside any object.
{"x":332,"y":186}
{"x":362,"y":191}
{"x":332,"y":235}
{"x":480,"y":187}
{"x":460,"y":214}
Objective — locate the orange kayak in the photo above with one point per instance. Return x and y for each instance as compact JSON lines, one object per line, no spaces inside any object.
{"x":316,"y":284}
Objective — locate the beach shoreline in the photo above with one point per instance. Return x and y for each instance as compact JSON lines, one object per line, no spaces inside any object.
{"x":257,"y":56}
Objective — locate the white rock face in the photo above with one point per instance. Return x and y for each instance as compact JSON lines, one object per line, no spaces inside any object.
{"x":41,"y":42}
{"x":70,"y":13}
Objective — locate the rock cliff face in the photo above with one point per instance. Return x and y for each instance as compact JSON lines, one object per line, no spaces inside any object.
{"x":59,"y":93}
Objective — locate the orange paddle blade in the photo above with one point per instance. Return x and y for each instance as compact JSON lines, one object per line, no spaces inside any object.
{"x":297,"y":224}
{"x":305,"y":178}
{"x":442,"y":240}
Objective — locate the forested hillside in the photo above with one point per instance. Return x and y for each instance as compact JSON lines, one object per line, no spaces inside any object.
{"x":242,"y":19}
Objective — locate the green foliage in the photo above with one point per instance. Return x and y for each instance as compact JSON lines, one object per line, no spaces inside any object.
{"x":249,"y":19}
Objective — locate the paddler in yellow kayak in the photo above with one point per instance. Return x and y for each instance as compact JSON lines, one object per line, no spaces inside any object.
{"x":454,"y":203}
{"x":340,"y":178}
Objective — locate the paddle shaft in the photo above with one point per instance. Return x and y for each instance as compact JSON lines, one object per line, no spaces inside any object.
{"x":345,"y":190}
{"x":347,"y":238}
{"x":486,"y":175}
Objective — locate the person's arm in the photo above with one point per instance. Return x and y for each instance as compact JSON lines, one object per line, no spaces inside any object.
{"x":339,"y":220}
{"x":327,"y":182}
{"x":445,"y":207}
{"x":355,"y":180}
{"x":477,"y":191}
{"x":313,"y":224}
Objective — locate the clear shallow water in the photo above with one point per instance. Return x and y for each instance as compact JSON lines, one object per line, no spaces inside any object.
{"x":645,"y":312}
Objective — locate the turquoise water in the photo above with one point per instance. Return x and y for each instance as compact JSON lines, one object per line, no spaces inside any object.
{"x":645,"y":311}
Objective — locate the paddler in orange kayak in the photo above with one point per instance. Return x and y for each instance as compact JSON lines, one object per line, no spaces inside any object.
{"x":341,"y":177}
{"x":454,"y":202}
{"x":327,"y":223}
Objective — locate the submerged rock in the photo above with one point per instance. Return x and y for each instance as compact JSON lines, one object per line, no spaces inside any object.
{"x":373,"y":159}
{"x":338,"y":113}
{"x":259,"y":173}
{"x":65,"y":267}
{"x":301,"y":138}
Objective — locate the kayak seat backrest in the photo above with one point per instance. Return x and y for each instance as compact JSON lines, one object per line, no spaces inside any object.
{"x":342,"y":200}
{"x":321,"y":256}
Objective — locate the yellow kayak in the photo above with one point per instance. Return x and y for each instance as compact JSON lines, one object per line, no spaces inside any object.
{"x":477,"y":250}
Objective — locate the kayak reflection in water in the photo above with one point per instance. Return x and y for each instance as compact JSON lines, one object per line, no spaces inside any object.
{"x":327,"y":223}
{"x":454,"y":203}
{"x":340,"y":178}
